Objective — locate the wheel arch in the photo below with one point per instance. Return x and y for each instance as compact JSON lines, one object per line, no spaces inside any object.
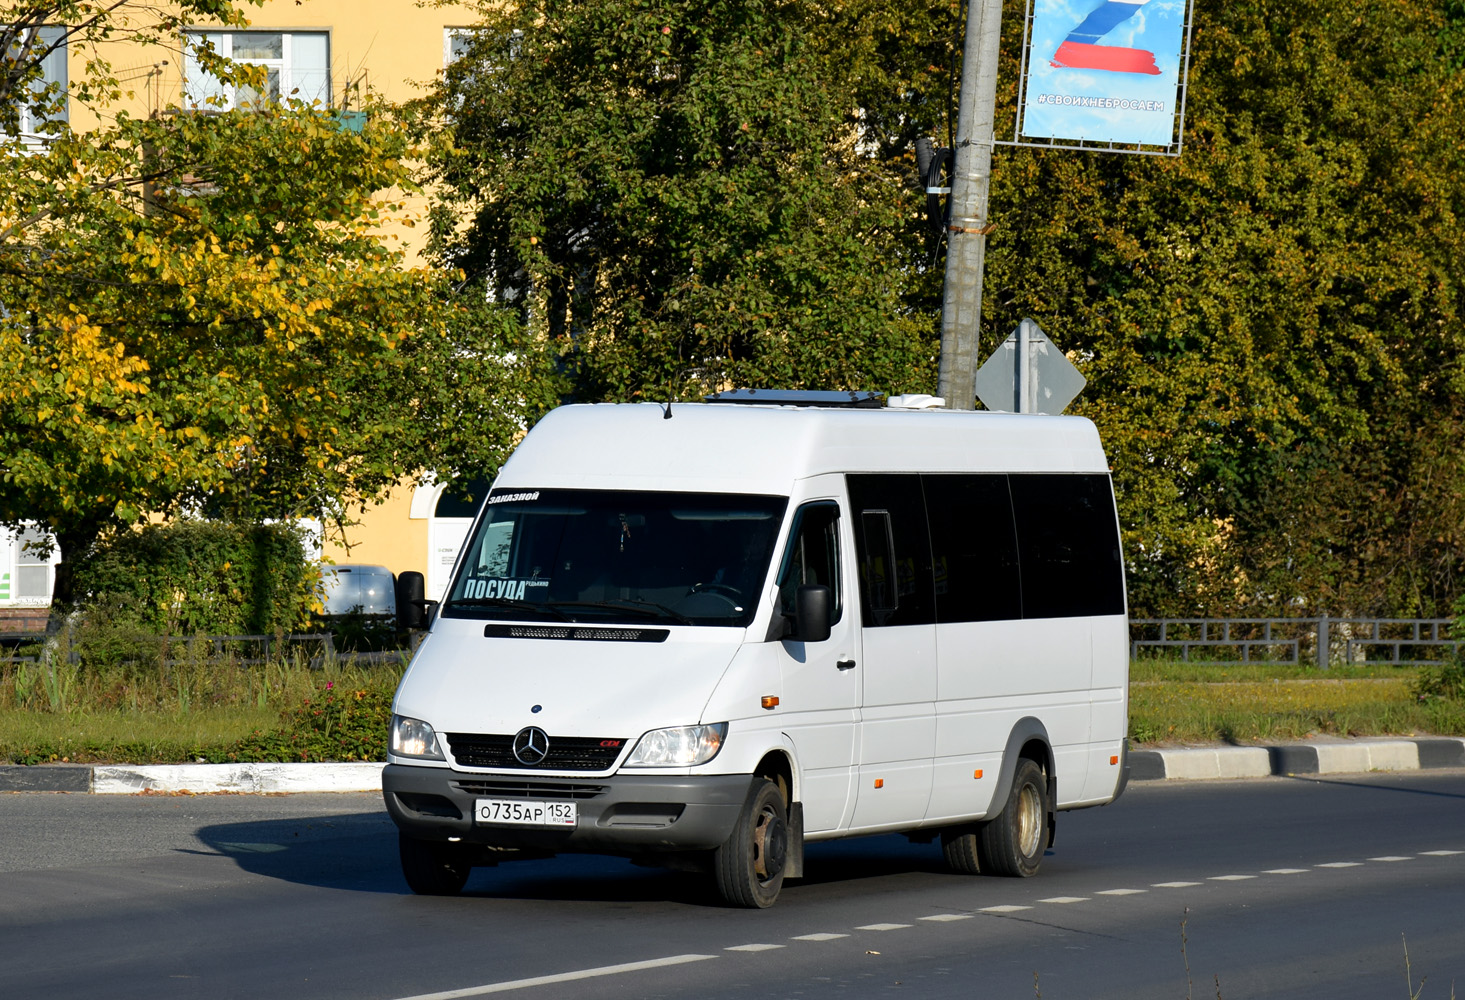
{"x":1027,"y":739}
{"x":777,"y":765}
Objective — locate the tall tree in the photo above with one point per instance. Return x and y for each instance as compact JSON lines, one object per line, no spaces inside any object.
{"x":1271,"y":323}
{"x":682,"y":194}
{"x":199,"y":309}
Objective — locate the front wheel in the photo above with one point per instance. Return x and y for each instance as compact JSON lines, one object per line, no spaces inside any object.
{"x":1012,"y":842}
{"x":433,"y":868}
{"x":749,"y":867}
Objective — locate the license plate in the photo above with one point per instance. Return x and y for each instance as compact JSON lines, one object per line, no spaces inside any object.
{"x":525,"y":812}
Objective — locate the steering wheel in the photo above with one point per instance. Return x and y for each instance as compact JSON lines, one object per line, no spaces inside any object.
{"x":731,"y":595}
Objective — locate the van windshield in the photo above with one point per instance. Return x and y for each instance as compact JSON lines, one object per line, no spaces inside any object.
{"x":600,"y":556}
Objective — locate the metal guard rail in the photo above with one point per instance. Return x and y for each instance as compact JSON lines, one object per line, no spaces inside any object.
{"x":1324,"y":640}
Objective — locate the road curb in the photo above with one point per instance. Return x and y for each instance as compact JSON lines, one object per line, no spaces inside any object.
{"x":1189,"y":764}
{"x":195,"y":779}
{"x":1350,"y":757}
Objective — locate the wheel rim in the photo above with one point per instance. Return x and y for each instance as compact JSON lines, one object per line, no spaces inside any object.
{"x":770,"y":845}
{"x":1029,"y":820}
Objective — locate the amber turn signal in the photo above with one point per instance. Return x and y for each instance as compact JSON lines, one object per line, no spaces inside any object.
{"x":770,"y":701}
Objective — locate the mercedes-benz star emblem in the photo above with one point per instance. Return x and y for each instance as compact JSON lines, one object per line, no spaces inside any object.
{"x":531,"y":746}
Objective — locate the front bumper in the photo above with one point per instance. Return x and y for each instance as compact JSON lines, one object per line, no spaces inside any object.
{"x":620,"y":814}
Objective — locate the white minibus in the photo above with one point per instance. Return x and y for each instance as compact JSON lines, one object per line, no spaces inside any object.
{"x":704,"y":635}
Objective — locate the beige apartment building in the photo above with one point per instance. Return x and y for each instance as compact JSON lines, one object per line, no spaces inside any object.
{"x":334,"y":52}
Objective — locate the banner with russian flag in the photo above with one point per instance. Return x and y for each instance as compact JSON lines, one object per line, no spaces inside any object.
{"x":1104,"y":71}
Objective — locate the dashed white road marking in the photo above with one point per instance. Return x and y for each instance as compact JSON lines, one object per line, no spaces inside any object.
{"x":563,"y":977}
{"x":611,"y":970}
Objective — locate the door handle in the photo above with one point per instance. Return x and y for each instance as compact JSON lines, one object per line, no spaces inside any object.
{"x":844,"y":664}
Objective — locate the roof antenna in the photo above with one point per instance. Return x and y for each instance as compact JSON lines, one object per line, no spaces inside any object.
{"x":671,"y":391}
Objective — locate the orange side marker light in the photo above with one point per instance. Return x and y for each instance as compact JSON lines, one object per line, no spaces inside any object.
{"x":770,"y":701}
{"x":879,"y":782}
{"x":977,"y":773}
{"x":1113,"y":759}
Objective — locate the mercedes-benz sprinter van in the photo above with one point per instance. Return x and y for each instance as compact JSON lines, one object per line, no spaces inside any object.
{"x":704,"y":635}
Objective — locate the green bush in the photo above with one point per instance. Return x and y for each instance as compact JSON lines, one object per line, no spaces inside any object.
{"x":338,"y":724}
{"x":191,"y":577}
{"x":1445,"y":682}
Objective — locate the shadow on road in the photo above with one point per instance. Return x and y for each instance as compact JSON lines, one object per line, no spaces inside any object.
{"x":358,"y":853}
{"x":1372,"y":786}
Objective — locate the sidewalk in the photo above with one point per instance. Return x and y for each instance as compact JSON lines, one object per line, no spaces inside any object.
{"x":1187,"y":764}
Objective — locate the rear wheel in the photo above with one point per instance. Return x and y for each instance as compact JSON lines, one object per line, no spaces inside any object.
{"x":1012,"y":843}
{"x":959,"y":845}
{"x":432,"y":867}
{"x":749,"y":867}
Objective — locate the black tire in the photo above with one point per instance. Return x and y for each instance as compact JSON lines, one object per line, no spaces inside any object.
{"x":1011,"y":844}
{"x":433,"y":868}
{"x":749,"y":867}
{"x":959,"y":845}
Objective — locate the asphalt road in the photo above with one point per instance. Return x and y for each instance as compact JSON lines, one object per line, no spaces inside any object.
{"x":1273,"y":887}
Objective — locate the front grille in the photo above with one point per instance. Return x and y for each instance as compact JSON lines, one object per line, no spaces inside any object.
{"x":566,"y":753}
{"x":529,"y":789}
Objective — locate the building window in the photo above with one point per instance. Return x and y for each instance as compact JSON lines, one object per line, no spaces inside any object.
{"x":27,"y":567}
{"x":455,"y":44}
{"x":296,"y":64}
{"x":50,"y":40}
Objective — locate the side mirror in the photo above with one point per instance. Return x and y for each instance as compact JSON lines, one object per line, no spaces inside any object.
{"x":812,"y":610}
{"x":410,"y":604}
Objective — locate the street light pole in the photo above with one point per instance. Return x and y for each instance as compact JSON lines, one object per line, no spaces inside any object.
{"x":966,"y":237}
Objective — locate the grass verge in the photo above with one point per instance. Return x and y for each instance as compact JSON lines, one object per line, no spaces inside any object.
{"x":183,"y":709}
{"x":1260,"y":703}
{"x":294,"y":709}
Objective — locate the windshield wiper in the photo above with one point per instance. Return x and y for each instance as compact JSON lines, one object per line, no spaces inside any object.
{"x":513,"y":605}
{"x":640,"y":607}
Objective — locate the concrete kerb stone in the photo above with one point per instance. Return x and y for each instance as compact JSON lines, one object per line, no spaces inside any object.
{"x":1347,"y":757}
{"x":243,"y":778}
{"x":1190,"y":764}
{"x":199,"y":779}
{"x":46,"y":778}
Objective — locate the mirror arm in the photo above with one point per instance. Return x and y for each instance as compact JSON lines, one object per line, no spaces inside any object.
{"x":779,"y":627}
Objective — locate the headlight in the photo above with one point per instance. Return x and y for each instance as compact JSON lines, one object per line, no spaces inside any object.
{"x":414,"y":738}
{"x":682,"y":746}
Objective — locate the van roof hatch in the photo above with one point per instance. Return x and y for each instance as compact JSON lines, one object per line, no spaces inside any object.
{"x":801,"y":397}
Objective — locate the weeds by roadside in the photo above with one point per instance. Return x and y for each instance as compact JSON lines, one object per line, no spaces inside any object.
{"x":140,"y":700}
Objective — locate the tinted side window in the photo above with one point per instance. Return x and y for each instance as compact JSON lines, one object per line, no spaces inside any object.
{"x":973,"y":548}
{"x":812,"y":556}
{"x":895,"y":500}
{"x":1069,"y":544}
